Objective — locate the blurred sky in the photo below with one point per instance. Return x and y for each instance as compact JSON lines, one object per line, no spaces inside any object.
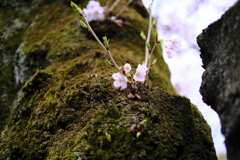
{"x":183,"y":21}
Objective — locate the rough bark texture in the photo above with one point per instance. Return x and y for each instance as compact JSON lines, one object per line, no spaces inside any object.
{"x":69,"y":110}
{"x":220,"y":51}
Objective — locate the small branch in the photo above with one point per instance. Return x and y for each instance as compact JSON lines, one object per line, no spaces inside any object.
{"x":114,"y":5}
{"x":102,"y":45}
{"x":151,"y":53}
{"x":150,"y":56}
{"x":154,"y":47}
{"x":149,"y":34}
{"x":124,"y":8}
{"x":108,"y":4}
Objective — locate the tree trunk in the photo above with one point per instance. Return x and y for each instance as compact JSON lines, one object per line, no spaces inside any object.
{"x":220,"y":48}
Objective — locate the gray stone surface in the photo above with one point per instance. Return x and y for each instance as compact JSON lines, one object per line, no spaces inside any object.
{"x":220,"y":52}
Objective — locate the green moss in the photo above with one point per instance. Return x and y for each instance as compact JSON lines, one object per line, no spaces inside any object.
{"x":64,"y":110}
{"x":58,"y":36}
{"x":59,"y":33}
{"x":68,"y":107}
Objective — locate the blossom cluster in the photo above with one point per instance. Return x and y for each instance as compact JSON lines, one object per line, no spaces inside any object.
{"x":94,"y":11}
{"x":121,"y":80}
{"x":172,"y":47}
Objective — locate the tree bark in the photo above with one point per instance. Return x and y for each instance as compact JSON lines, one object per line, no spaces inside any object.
{"x":220,"y":48}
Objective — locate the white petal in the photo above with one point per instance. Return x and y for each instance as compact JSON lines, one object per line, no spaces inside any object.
{"x":85,"y":11}
{"x":101,"y":17}
{"x":92,"y":4}
{"x":116,"y":76}
{"x":113,"y":18}
{"x":116,"y":84}
{"x":142,"y":68}
{"x":140,"y":78}
{"x":101,"y":10}
{"x":125,"y":79}
{"x":89,"y":18}
{"x":94,"y":11}
{"x":89,"y":14}
{"x":123,"y":86}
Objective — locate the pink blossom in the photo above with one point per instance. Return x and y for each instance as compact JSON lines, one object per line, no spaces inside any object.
{"x":140,"y":74}
{"x":94,"y":11}
{"x":127,"y":68}
{"x":119,"y":22}
{"x":120,"y":81}
{"x":172,"y":47}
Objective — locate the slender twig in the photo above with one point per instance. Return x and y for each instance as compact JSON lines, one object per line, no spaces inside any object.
{"x":124,"y":8}
{"x":149,"y":34}
{"x":108,"y":4}
{"x":150,"y":56}
{"x":151,"y":53}
{"x":114,"y":5}
{"x":153,"y":49}
{"x":102,"y":45}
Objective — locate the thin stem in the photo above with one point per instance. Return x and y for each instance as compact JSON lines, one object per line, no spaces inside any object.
{"x":102,"y":45}
{"x":114,"y":5}
{"x":150,"y":56}
{"x":149,"y":34}
{"x":124,"y":8}
{"x":108,"y":4}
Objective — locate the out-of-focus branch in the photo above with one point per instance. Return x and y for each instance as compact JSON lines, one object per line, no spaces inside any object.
{"x":114,"y":5}
{"x":150,"y":25}
{"x":124,"y":8}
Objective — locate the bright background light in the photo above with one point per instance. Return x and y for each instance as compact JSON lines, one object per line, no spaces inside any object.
{"x":184,"y":21}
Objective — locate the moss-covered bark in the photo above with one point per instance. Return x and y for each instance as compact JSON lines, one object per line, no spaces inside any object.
{"x":69,"y":109}
{"x":11,"y":28}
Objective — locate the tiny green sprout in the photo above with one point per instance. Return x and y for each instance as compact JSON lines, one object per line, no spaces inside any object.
{"x":108,"y":136}
{"x":154,"y":21}
{"x":106,"y":41}
{"x":108,"y":62}
{"x":144,"y":122}
{"x":143,"y":36}
{"x":83,"y":24}
{"x":154,"y":61}
{"x":128,"y":75}
{"x":148,"y":46}
{"x":75,"y":6}
{"x":160,"y":41}
{"x":143,"y":153}
{"x":138,"y":134}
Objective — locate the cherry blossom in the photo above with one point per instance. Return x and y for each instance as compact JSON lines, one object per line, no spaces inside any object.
{"x":140,"y":74}
{"x":120,"y":81}
{"x":127,"y":68}
{"x":119,"y":22}
{"x":172,"y":47}
{"x":94,"y":11}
